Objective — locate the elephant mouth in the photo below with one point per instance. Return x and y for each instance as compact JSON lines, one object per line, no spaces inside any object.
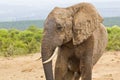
{"x":53,"y":55}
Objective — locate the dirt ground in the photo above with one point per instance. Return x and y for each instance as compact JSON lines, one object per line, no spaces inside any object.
{"x":28,"y":68}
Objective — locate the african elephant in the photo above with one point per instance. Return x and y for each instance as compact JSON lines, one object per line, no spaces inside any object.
{"x":81,"y":38}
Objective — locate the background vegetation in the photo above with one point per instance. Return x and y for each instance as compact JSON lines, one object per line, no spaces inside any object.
{"x":18,"y":42}
{"x":113,"y":38}
{"x":22,"y":42}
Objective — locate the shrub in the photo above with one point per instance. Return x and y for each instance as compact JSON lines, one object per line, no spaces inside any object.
{"x":113,"y":38}
{"x":16,"y":42}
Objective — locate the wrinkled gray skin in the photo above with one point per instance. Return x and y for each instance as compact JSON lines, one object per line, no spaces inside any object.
{"x":81,"y":37}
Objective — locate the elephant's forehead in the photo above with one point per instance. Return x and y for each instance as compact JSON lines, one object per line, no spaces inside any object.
{"x":60,"y":13}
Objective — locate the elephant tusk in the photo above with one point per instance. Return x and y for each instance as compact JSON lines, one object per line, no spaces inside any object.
{"x":50,"y":59}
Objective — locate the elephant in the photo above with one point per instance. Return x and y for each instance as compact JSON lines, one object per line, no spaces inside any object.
{"x":80,"y":37}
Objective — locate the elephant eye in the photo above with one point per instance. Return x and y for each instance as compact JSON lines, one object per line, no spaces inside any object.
{"x":59,"y":27}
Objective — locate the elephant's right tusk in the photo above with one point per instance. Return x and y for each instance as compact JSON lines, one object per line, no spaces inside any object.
{"x":50,"y":59}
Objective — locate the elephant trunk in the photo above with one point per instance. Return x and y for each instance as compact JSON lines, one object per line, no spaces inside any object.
{"x":46,"y":51}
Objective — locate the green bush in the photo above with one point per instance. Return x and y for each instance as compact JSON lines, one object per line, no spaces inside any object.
{"x":113,"y":38}
{"x":16,"y":42}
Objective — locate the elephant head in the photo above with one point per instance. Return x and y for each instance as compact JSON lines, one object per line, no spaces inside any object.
{"x":62,"y":25}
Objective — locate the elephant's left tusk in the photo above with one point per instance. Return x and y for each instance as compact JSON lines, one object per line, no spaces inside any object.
{"x":50,"y":59}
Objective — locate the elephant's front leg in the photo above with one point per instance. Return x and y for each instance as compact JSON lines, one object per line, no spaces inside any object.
{"x":86,"y":66}
{"x":61,"y":70}
{"x":60,"y":67}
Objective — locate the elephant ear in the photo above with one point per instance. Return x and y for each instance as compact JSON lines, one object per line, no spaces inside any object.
{"x":86,"y":20}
